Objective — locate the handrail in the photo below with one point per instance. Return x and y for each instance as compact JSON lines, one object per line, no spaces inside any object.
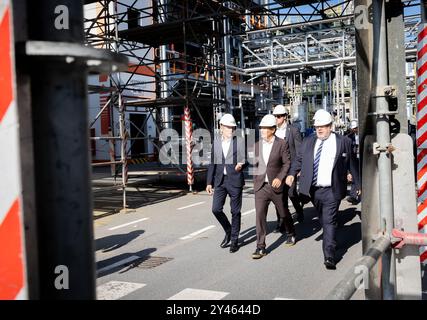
{"x":346,"y":288}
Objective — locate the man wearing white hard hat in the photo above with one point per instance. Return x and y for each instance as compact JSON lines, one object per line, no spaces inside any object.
{"x":354,"y":197}
{"x":324,"y":164}
{"x":293,"y":137}
{"x":272,"y":163}
{"x":225,"y":175}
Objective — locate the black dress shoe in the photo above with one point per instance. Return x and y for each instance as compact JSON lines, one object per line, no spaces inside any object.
{"x":352,"y":200}
{"x":226,"y":241}
{"x":259,"y":253}
{"x":234,"y":247}
{"x":330,"y":264}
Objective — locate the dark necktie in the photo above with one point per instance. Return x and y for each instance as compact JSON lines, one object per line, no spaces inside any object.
{"x":316,"y":163}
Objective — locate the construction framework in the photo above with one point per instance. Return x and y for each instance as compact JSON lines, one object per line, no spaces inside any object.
{"x":223,"y":56}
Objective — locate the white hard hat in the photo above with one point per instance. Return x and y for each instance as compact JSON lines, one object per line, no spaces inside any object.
{"x":228,"y":120}
{"x":353,"y":124}
{"x":280,"y":109}
{"x":268,"y":121}
{"x":322,"y":118}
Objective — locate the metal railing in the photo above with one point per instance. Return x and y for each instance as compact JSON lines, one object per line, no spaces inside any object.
{"x":348,"y":286}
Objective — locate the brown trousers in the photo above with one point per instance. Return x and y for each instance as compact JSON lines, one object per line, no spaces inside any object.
{"x":263,"y":197}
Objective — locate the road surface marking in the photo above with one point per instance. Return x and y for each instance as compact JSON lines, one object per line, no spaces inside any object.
{"x":196,"y":294}
{"x":191,"y":205}
{"x":114,"y":290}
{"x":118,"y":264}
{"x":248,"y":212}
{"x":280,"y":298}
{"x":127,"y":224}
{"x":191,"y":235}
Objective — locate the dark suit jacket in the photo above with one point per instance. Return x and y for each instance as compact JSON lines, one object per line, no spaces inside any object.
{"x":218,"y":161}
{"x":344,"y":163}
{"x":277,"y":167}
{"x":294,"y":139}
{"x":354,"y":153}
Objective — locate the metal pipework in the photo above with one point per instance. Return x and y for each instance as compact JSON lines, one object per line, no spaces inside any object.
{"x":383,"y":139}
{"x":164,"y":68}
{"x":345,"y":289}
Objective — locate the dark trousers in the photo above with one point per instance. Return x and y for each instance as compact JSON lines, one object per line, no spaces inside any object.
{"x":263,"y":197}
{"x":291,"y":193}
{"x":235,"y":194}
{"x":353,"y":190}
{"x":327,"y":210}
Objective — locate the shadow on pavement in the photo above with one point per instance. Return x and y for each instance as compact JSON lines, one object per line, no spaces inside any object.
{"x":115,"y":241}
{"x":106,"y":267}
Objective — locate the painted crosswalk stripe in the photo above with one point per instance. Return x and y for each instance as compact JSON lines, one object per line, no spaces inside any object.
{"x":114,"y":290}
{"x":197,"y":294}
{"x":196,"y":233}
{"x":191,"y":205}
{"x":248,"y":212}
{"x":118,"y":264}
{"x":127,"y":224}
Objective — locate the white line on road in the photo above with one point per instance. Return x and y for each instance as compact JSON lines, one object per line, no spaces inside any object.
{"x":197,"y":294}
{"x":248,"y":212}
{"x":191,"y":235}
{"x":127,"y":224}
{"x":114,"y":290}
{"x":191,"y":205}
{"x":118,"y":264}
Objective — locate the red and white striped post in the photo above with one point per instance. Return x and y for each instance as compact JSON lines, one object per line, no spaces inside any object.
{"x":188,"y":139}
{"x":12,"y":255}
{"x":422,"y":135}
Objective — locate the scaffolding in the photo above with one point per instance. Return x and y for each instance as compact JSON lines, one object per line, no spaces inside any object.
{"x":241,"y":57}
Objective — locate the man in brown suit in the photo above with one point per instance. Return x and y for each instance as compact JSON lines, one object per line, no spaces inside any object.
{"x":272,"y":161}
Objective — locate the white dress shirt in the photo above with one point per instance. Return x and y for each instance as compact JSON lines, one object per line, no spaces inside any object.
{"x":266,"y":151}
{"x":281,"y":131}
{"x":327,"y":159}
{"x":225,"y":148}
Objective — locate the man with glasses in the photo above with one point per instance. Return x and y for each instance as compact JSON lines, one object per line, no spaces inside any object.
{"x":293,"y":137}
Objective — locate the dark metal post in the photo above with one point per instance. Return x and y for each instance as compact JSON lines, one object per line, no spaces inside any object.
{"x":61,"y":149}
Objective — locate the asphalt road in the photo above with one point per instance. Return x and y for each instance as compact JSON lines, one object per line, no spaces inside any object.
{"x":169,"y":249}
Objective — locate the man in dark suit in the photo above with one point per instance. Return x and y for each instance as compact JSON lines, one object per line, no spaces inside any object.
{"x":272,"y":164}
{"x":354,"y":197}
{"x":225,"y":175}
{"x":324,"y":163}
{"x":293,"y":137}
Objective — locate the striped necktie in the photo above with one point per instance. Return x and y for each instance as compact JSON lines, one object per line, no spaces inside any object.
{"x":316,"y":163}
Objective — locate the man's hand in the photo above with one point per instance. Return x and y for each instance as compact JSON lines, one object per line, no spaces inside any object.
{"x":290,"y":180}
{"x":276,"y":183}
{"x":359,"y":192}
{"x":238,"y":167}
{"x":349,"y":177}
{"x":209,"y":189}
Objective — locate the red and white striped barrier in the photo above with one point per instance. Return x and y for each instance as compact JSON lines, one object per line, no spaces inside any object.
{"x":422,"y":134}
{"x":188,"y":139}
{"x":12,"y":255}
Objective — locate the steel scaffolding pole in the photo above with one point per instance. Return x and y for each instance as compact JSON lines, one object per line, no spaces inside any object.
{"x":383,"y":139}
